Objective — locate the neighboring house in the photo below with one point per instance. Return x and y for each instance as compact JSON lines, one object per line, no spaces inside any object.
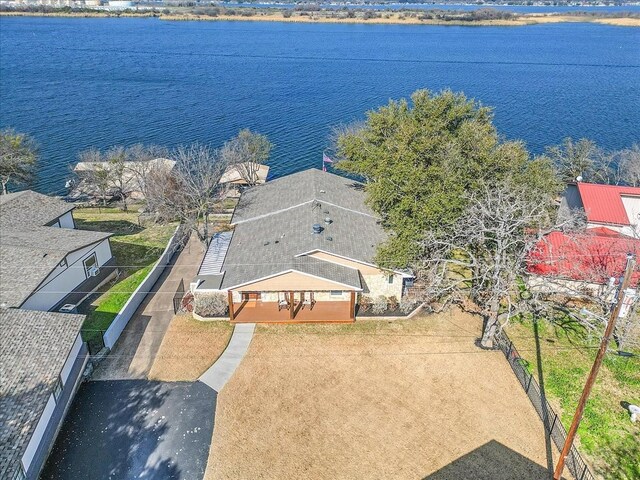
{"x":132,"y":176}
{"x":45,"y":262}
{"x":236,"y":174}
{"x":581,"y":262}
{"x":611,"y":206}
{"x":302,"y":249}
{"x":42,"y":358}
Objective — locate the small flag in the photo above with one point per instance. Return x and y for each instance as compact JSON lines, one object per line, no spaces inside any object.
{"x":325,"y":160}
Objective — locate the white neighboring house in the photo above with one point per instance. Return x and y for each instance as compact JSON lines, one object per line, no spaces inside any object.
{"x":45,"y":262}
{"x":43,"y":358}
{"x":612,"y":206}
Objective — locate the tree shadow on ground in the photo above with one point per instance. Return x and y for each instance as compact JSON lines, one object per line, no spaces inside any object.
{"x":113,"y":436}
{"x":492,"y":461}
{"x":117,"y":227}
{"x":130,"y":257}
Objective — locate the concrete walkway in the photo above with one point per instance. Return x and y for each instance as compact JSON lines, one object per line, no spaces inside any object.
{"x":222,"y":370}
{"x":136,"y":349}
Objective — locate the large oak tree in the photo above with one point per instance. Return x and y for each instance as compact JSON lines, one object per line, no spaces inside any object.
{"x":422,"y":160}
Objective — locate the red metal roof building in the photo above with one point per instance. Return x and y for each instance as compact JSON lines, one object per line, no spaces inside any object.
{"x":592,"y":256}
{"x":604,"y":204}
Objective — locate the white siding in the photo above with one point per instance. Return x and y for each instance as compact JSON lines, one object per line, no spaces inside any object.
{"x":632,"y":207}
{"x":36,"y":438}
{"x":64,"y":280}
{"x":66,"y":221}
{"x":73,"y":356}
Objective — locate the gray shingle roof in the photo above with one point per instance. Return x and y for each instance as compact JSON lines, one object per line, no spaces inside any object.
{"x":302,"y":187}
{"x":33,"y":349}
{"x":569,"y":203}
{"x":29,"y":250}
{"x":267,"y":241}
{"x":28,"y":208}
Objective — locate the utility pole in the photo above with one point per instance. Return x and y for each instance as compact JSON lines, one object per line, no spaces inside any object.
{"x":626,"y":280}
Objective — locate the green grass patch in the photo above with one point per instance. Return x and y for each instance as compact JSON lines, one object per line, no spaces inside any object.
{"x":136,"y":249}
{"x":607,"y":438}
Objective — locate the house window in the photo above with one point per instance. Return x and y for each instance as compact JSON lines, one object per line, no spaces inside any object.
{"x":63,"y":263}
{"x":57,"y":389}
{"x":336,"y":293}
{"x":390,"y":279}
{"x":90,"y":265}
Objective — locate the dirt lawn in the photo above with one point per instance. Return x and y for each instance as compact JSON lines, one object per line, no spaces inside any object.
{"x":376,"y":399}
{"x":188,"y":348}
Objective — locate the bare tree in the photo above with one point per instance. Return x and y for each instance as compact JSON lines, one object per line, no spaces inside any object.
{"x":627,"y":334}
{"x":483,"y":257}
{"x":246,"y":153}
{"x":96,"y":179}
{"x":574,"y":159}
{"x":188,"y":192}
{"x":141,"y":164}
{"x":607,"y":168}
{"x":121,"y":178}
{"x":119,"y":171}
{"x":18,"y":157}
{"x":629,"y":162}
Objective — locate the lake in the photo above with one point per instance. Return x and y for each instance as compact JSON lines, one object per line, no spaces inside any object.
{"x":80,"y":83}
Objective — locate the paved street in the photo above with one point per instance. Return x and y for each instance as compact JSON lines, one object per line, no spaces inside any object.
{"x":125,"y":429}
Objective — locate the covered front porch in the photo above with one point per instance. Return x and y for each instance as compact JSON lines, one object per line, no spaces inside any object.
{"x":292,"y":306}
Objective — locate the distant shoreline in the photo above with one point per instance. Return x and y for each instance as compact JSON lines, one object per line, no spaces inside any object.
{"x":390,"y":18}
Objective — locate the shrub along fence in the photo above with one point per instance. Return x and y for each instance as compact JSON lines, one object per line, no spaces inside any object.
{"x":120,"y":322}
{"x":552,"y":424}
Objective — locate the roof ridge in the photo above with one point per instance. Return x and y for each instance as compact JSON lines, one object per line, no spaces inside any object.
{"x":606,"y":185}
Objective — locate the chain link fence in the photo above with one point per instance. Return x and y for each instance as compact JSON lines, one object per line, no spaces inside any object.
{"x":576,"y":465}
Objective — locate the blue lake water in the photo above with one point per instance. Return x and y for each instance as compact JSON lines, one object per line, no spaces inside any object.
{"x":79,"y":83}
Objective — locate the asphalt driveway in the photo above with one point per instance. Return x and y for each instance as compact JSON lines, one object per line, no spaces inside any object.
{"x":126,"y":429}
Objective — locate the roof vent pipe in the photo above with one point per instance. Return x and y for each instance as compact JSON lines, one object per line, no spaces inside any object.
{"x":327,"y":220}
{"x":317,"y":228}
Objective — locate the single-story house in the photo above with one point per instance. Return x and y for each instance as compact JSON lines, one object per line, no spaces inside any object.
{"x":45,"y":262}
{"x":42,"y":358}
{"x":301,"y":250}
{"x":581,"y":262}
{"x":612,"y":206}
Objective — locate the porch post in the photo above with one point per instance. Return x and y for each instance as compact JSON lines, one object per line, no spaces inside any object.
{"x":231,"y":312}
{"x":352,"y":306}
{"x":292,"y":306}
